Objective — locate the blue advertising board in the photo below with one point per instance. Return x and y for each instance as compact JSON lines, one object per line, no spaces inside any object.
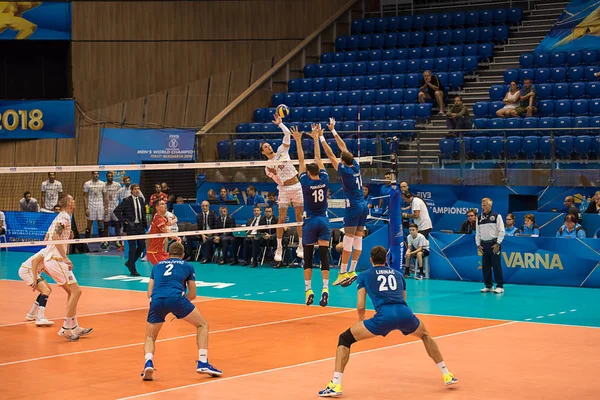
{"x":27,"y":227}
{"x":137,"y":146}
{"x":35,"y":20}
{"x":37,"y":119}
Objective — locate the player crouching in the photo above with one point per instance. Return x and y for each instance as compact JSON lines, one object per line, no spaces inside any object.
{"x":30,"y":272}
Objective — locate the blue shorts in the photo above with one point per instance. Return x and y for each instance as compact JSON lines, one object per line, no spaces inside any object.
{"x":180,"y":307}
{"x":356,"y":215}
{"x":315,"y":229}
{"x":393,"y":317}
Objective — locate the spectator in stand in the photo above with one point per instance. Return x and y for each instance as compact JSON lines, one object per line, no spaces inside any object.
{"x":420,"y":213}
{"x":431,"y":87}
{"x":594,"y":206}
{"x":212,"y":195}
{"x":28,"y":203}
{"x":51,"y":190}
{"x":571,"y":229}
{"x":157,"y":195}
{"x":253,"y":198}
{"x":367,"y":196}
{"x":126,"y":190}
{"x":329,"y":194}
{"x":510,"y":229}
{"x":510,"y":101}
{"x":469,"y":226}
{"x":457,"y":117}
{"x":529,"y":228}
{"x":57,"y":208}
{"x":179,"y":200}
{"x":2,"y":223}
{"x":571,"y":208}
{"x":272,"y":199}
{"x":164,"y":187}
{"x":528,"y":102}
{"x":224,"y":196}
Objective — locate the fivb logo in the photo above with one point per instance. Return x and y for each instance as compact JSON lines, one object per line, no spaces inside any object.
{"x":427,"y":198}
{"x":173,"y":141}
{"x":532,"y":260}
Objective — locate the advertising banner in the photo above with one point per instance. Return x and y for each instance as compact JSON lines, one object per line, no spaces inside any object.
{"x":43,"y":119}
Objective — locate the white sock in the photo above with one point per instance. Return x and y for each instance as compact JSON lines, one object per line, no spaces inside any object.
{"x":337,"y":378}
{"x":74,"y":323}
{"x":34,"y":308}
{"x":306,"y":285}
{"x":149,"y":356}
{"x":353,"y":265}
{"x":343,"y":268}
{"x":279,"y":243}
{"x":442,"y":367}
{"x":203,"y":355}
{"x":325,"y":284}
{"x":40,"y":313}
{"x":67,"y":323}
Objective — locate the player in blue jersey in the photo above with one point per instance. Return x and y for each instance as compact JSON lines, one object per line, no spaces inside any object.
{"x":315,"y":182}
{"x":387,"y":289}
{"x":166,"y":291}
{"x":357,"y":208}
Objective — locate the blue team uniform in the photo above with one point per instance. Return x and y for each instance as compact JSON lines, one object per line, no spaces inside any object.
{"x":357,"y":209}
{"x":316,"y":223}
{"x":168,"y":295}
{"x":385,"y":287}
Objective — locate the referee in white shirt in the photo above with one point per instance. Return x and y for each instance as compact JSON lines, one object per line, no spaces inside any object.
{"x":489,"y":235}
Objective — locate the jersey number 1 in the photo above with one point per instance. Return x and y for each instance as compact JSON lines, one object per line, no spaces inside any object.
{"x":387,"y":282}
{"x":168,"y":270}
{"x":318,"y":195}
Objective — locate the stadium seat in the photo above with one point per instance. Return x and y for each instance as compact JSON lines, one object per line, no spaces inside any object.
{"x":589,"y":72}
{"x":514,"y":124}
{"x":302,"y":99}
{"x":562,"y":107}
{"x":224,"y":149}
{"x":327,"y":58}
{"x":592,"y":90}
{"x":398,"y":81}
{"x":526,"y":60}
{"x":481,"y":123}
{"x":431,"y":38}
{"x":442,"y":51}
{"x":440,"y":65}
{"x":515,"y":15}
{"x":368,"y":96}
{"x":394,"y":23}
{"x":334,"y":69}
{"x":328,"y":98}
{"x":349,"y":128}
{"x":589,"y":57}
{"x":314,"y":99}
{"x":561,"y":90}
{"x":480,"y":109}
{"x":393,"y":111}
{"x":242,"y":128}
{"x":565,"y":124}
{"x":513,"y":146}
{"x":530,"y":146}
{"x":345,"y":83}
{"x":497,"y":92}
{"x":459,"y":18}
{"x":390,"y":126}
{"x":423,"y":111}
{"x":431,"y":21}
{"x":542,"y":60}
{"x":377,"y":42}
{"x":255,"y":127}
{"x":359,"y":68}
{"x":564,"y":147}
{"x":417,"y":38}
{"x":351,"y":113}
{"x":479,"y":146}
{"x":382,"y":96}
{"x":320,"y":71}
{"x":277,"y":98}
{"x":497,"y":123}
{"x":387,"y":67}
{"x":486,"y":34}
{"x":594,"y":107}
{"x":318,"y":84}
{"x":501,"y":33}
{"x":493,"y":107}
{"x":306,"y":126}
{"x":400,"y":66}
{"x":458,"y":36}
{"x":583,"y":146}
{"x":543,"y":91}
{"x":447,"y":148}
{"x":341,"y":43}
{"x":542,"y":75}
{"x":414,"y":66}
{"x":470,"y":49}
{"x":364,"y":127}
{"x":346,"y":68}
{"x":323,"y":113}
{"x":377,"y":125}
{"x":511,"y":75}
{"x":365,"y":112}
{"x":403,"y":39}
{"x":445,"y":20}
{"x":337,"y":112}
{"x":496,"y":147}
{"x":331,"y":83}
{"x":407,"y":128}
{"x":575,"y":74}
{"x":396,"y":96}
{"x":558,"y":59}
{"x":354,"y":96}
{"x":558,"y":74}
{"x":411,"y":95}
{"x":579,"y":107}
{"x":456,"y":80}
{"x":529,"y":123}
{"x":545,"y":125}
{"x":310,"y":114}
{"x":526,"y":74}
{"x":413,"y":80}
{"x":390,"y":41}
{"x":457,"y":50}
{"x":472,"y":18}
{"x":333,"y":144}
{"x":260,"y":114}
{"x":596,"y":145}
{"x":378,"y":112}
{"x":486,"y":51}
{"x":546,"y":147}
{"x":339,"y":57}
{"x":306,"y":85}
{"x":358,"y":82}
{"x":384,"y":81}
{"x":408,"y":111}
{"x":470,"y":63}
{"x":467,"y":146}
{"x":573,"y":58}
{"x":581,"y":123}
{"x":546,"y":107}
{"x":239,"y":149}
{"x":500,"y":16}
{"x":576,"y":90}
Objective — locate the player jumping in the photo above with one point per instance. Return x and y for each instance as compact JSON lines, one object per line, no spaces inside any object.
{"x":315,"y":182}
{"x":357,"y":208}
{"x":166,"y":291}
{"x":290,"y":190}
{"x":387,"y":289}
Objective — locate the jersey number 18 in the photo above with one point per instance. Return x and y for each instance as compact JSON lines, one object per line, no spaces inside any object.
{"x":318,"y":195}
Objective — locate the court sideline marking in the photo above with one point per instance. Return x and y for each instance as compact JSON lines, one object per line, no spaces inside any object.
{"x":314,"y":362}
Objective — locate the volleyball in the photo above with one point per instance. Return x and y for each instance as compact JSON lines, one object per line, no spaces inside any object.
{"x":282,"y":110}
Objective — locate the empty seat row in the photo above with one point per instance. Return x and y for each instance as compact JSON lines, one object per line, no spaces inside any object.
{"x":483,"y":50}
{"x":442,"y":64}
{"x":562,"y":90}
{"x":582,"y":125}
{"x":433,"y":21}
{"x":367,"y":112}
{"x":454,"y":80}
{"x":559,"y":59}
{"x":495,"y":33}
{"x":529,"y":147}
{"x":561,"y":107}
{"x":556,"y":74}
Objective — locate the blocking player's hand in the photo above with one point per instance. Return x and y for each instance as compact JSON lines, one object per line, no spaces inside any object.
{"x":331,"y":124}
{"x":296,"y":133}
{"x":277,"y":121}
{"x":272,"y":170}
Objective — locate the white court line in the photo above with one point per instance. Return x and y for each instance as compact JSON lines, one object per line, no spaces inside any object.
{"x":312,"y":362}
{"x":106,"y":312}
{"x":173,"y":338}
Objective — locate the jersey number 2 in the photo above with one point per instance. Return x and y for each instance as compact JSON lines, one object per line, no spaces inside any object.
{"x":318,"y":195}
{"x":387,"y":282}
{"x":168,"y":271}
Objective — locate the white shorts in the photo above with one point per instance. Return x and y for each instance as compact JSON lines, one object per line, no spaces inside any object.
{"x":96,"y":212}
{"x":26,"y":275}
{"x":290,"y":195}
{"x":59,"y":271}
{"x":110,"y":216}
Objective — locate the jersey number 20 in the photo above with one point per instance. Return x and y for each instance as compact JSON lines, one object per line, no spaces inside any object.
{"x":387,"y":282}
{"x":168,"y":272}
{"x":318,"y":195}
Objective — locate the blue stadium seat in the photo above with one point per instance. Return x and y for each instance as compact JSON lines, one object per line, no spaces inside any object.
{"x":351,"y":113}
{"x":423,"y":111}
{"x":277,"y":98}
{"x":576,"y":90}
{"x":345,"y":83}
{"x":394,"y":23}
{"x":398,"y":81}
{"x":575,"y":74}
{"x":426,"y":64}
{"x":456,"y":80}
{"x":564,"y":147}
{"x":511,"y":75}
{"x":331,"y":83}
{"x":297,"y":114}
{"x":481,"y":123}
{"x":526,"y":74}
{"x":417,"y":38}
{"x":333,"y":144}
{"x":545,"y":125}
{"x":365,"y":112}
{"x":501,"y":34}
{"x":562,"y":107}
{"x":363,"y":56}
{"x":384,"y":81}
{"x":371,"y":81}
{"x":558,"y":74}
{"x":239,"y":149}
{"x":431,"y":21}
{"x":583,"y":146}
{"x":339,"y":57}
{"x":472,"y":18}
{"x":561,"y":90}
{"x":414,"y":53}
{"x":242,"y":128}
{"x":546,"y":147}
{"x":318,"y":84}
{"x":565,"y":123}
{"x":445,"y":20}
{"x":359,"y":68}
{"x":407,"y":127}
{"x":255,"y":127}
{"x":479,"y":146}
{"x":480,"y":109}
{"x":354,"y":96}
{"x":530,"y":146}
{"x":413,"y":65}
{"x":596,"y":145}
{"x":457,"y":50}
{"x":364,"y":127}
{"x":558,"y":59}
{"x":337,"y":112}
{"x":400,"y":66}
{"x":306,"y":126}
{"x":501,"y":16}
{"x":515,"y":15}
{"x":542,"y":75}
{"x":592,"y":90}
{"x":546,"y":107}
{"x":387,"y":67}
{"x":369,"y":25}
{"x":378,"y":41}
{"x":486,"y":34}
{"x":334,"y":69}
{"x":356,"y":27}
{"x":486,"y":51}
{"x":529,"y":123}
{"x":543,"y":91}
{"x":302,"y":99}
{"x":442,"y":51}
{"x":378,"y":112}
{"x":403,"y":39}
{"x":390,"y":41}
{"x":470,"y":49}
{"x":411,"y":95}
{"x":349,"y":126}
{"x":326,"y":58}
{"x":456,"y":64}
{"x":431,"y":38}
{"x":260,"y":114}
{"x":396,"y":96}
{"x":459,"y":36}
{"x":513,"y":123}
{"x":341,"y":43}
{"x":408,"y":111}
{"x":320,"y":71}
{"x":581,"y":123}
{"x":496,"y":147}
{"x":391,"y":125}
{"x":382,"y":96}
{"x":305,"y":85}
{"x":497,"y":92}
{"x":440,"y":65}
{"x":579,"y":107}
{"x":589,"y":57}
{"x":594,"y":107}
{"x":223,"y":149}
{"x":497,"y":123}
{"x":573,"y":58}
{"x":346,"y":69}
{"x":513,"y":146}
{"x":589,"y":72}
{"x":393,"y":111}
{"x":352,"y":42}
{"x":368,"y":96}
{"x":378,"y":124}
{"x":470,"y":63}
{"x":315,"y":99}
{"x":413,"y":80}
{"x":324,"y":113}
{"x":459,"y":18}
{"x":328,"y":98}
{"x":542,"y":60}
{"x":294,"y":85}
{"x":447,"y":148}
{"x":310,"y":114}
{"x":493,"y":107}
{"x":467,"y":146}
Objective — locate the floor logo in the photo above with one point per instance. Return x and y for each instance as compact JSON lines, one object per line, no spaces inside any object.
{"x":140,"y":279}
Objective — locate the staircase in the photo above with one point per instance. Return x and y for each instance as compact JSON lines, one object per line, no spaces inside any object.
{"x":523,"y":39}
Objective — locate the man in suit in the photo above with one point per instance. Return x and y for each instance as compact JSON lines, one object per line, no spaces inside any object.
{"x":265,"y":237}
{"x":226,"y":239}
{"x":249,"y":249}
{"x":132,"y":215}
{"x":205,"y":220}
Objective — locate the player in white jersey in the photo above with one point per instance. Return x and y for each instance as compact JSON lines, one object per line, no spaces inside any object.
{"x":62,"y":271}
{"x":125,"y":191}
{"x":290,"y":190}
{"x":111,"y":201}
{"x":51,"y":190}
{"x":31,"y":273}
{"x":93,"y":191}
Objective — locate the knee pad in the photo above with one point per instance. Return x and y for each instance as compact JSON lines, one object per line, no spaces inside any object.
{"x":348,"y":240}
{"x":346,"y":339}
{"x":42,"y":300}
{"x":308,"y":256}
{"x":324,"y":254}
{"x":357,"y":243}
